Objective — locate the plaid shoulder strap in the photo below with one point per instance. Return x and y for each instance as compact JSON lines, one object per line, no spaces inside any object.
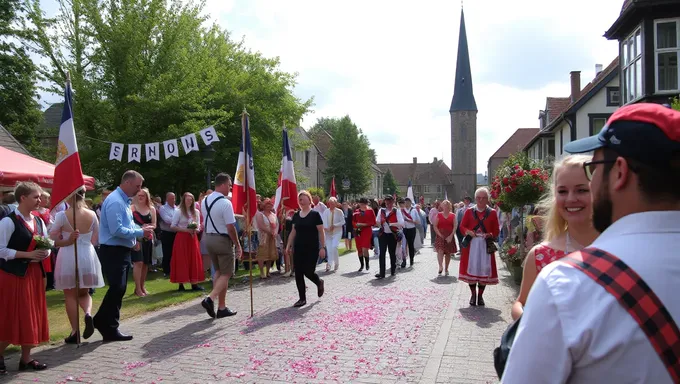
{"x":637,"y":298}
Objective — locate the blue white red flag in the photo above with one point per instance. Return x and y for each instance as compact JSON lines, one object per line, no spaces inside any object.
{"x":286,"y":190}
{"x":243,"y":195}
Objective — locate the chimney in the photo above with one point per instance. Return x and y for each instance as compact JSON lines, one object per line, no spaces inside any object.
{"x":575,"y":85}
{"x":435,"y":159}
{"x":598,"y":69}
{"x":415,"y":160}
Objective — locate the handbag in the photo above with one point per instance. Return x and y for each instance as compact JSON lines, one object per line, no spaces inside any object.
{"x":632,"y":293}
{"x":491,"y":247}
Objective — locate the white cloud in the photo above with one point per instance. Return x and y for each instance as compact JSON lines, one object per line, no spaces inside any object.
{"x":391,"y":65}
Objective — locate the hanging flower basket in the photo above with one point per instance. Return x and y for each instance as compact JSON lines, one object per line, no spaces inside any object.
{"x":517,"y":185}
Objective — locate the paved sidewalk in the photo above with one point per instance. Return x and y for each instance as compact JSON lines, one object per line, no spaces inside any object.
{"x":415,"y":327}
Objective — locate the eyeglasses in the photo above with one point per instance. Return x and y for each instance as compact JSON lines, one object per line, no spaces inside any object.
{"x":589,"y":167}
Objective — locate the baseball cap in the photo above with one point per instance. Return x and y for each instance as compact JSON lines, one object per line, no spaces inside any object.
{"x":389,"y":197}
{"x":646,"y":132}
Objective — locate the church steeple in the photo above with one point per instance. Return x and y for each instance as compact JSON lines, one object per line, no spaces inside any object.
{"x":463,"y":97}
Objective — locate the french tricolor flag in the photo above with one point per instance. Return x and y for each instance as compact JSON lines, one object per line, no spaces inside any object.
{"x":286,"y":190}
{"x":243,"y":195}
{"x":68,"y":174}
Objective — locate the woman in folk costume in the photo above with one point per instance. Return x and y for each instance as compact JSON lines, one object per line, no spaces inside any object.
{"x":84,"y":235}
{"x":363,"y":221}
{"x":186,"y":263}
{"x":23,"y":309}
{"x":267,"y":226}
{"x":477,"y":265}
{"x":44,"y":213}
{"x":567,"y":225}
{"x":333,"y":220}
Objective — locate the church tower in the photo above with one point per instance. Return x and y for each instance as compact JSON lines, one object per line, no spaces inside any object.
{"x":463,"y":123}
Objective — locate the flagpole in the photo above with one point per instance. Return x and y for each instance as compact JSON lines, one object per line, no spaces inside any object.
{"x":247,"y":207}
{"x":75,"y":226}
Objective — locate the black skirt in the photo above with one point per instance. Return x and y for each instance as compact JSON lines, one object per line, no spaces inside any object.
{"x":145,"y":253}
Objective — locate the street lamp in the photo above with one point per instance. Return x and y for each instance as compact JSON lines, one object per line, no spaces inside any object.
{"x":345,"y":187}
{"x":208,"y":154}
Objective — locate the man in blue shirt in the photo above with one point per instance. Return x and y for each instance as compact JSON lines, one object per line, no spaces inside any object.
{"x":118,"y":235}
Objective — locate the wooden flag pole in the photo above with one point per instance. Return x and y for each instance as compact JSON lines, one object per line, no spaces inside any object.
{"x":75,"y":253}
{"x":247,"y":210}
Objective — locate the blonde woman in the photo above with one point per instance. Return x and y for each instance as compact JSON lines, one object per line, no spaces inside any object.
{"x":84,"y":235}
{"x":267,"y":226}
{"x":444,"y":226}
{"x":143,"y":213}
{"x":333,"y":220}
{"x":567,"y":226}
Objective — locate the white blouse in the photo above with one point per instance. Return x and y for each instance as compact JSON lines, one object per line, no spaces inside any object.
{"x":6,"y":231}
{"x":181,"y":221}
{"x":338,"y":220}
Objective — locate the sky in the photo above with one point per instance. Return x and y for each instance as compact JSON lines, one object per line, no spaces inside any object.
{"x":390,"y":65}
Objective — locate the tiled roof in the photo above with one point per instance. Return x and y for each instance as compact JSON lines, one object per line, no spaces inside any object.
{"x":323,"y":140}
{"x":8,"y":141}
{"x":555,"y":106}
{"x":516,"y":142}
{"x":434,"y":173}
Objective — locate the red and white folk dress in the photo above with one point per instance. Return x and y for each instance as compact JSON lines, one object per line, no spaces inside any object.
{"x":23,"y":309}
{"x":365,"y":234}
{"x":476,"y":265}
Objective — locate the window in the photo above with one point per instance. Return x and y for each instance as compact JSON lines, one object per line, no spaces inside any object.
{"x":551,"y":147}
{"x":666,"y":52}
{"x":307,"y":154}
{"x":613,"y":97}
{"x":597,"y":122}
{"x":540,"y":149}
{"x":561,"y":141}
{"x":631,"y":51}
{"x":426,"y":188}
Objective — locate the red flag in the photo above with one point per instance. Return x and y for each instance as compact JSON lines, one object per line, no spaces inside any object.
{"x":68,"y":174}
{"x":334,"y":193}
{"x":286,"y":190}
{"x":243,"y":195}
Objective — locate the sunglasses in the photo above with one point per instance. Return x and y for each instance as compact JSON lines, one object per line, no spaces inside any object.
{"x":590,"y":166}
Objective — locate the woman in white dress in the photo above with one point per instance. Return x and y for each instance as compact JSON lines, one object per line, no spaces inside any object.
{"x":333,"y":220}
{"x":83,"y":236}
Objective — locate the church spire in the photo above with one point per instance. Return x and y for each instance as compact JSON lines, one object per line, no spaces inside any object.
{"x":463,"y":97}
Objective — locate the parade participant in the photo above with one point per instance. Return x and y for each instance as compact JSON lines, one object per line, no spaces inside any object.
{"x":434,"y":211}
{"x":478,"y":265}
{"x":143,"y":213}
{"x":411,"y":221}
{"x":44,"y":213}
{"x":84,"y":235}
{"x":307,"y":244}
{"x":567,"y":227}
{"x":118,"y":235}
{"x":221,"y":241}
{"x":609,"y":313}
{"x":460,"y":212}
{"x":391,"y":222}
{"x":445,"y":227}
{"x":23,"y":309}
{"x":167,"y":211}
{"x":318,"y":205}
{"x":267,"y":225}
{"x":187,"y":263}
{"x":363,"y":220}
{"x":333,"y":220}
{"x":347,"y":230}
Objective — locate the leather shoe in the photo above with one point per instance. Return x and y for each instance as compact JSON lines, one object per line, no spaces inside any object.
{"x":379,"y":276}
{"x":117,"y":336}
{"x":226,"y":312}
{"x":209,"y":306}
{"x":320,"y":288}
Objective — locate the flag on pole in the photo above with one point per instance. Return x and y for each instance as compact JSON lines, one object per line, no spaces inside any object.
{"x":409,"y":192}
{"x":286,"y":189}
{"x":333,"y":193}
{"x":68,"y":174}
{"x":243,"y":193}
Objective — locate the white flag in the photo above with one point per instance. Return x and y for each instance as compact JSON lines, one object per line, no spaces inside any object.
{"x":116,"y":152}
{"x":171,"y":149}
{"x":190,"y":143}
{"x":134,"y":153}
{"x":152,"y":151}
{"x":209,"y":135}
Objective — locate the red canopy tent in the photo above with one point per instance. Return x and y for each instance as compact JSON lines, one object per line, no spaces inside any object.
{"x":15,"y":167}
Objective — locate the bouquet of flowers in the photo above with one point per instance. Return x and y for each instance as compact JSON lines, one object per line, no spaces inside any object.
{"x":519,"y":181}
{"x":192,"y":225}
{"x":42,"y":242}
{"x":510,"y":253}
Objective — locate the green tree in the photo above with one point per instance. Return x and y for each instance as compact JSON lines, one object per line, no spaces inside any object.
{"x":389,"y":184}
{"x":349,"y":156}
{"x":675,"y":103}
{"x":319,"y":192}
{"x":151,"y":70}
{"x":19,"y":109}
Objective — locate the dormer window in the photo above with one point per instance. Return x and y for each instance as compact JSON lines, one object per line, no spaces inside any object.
{"x":631,"y":63}
{"x":666,"y":52}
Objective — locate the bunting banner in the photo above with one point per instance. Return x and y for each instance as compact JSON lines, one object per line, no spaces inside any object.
{"x":171,"y":148}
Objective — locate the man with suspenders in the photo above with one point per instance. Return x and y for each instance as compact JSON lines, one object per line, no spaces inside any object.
{"x":220,"y":240}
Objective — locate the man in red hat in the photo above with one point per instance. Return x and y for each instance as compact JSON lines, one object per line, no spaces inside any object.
{"x":608,"y":313}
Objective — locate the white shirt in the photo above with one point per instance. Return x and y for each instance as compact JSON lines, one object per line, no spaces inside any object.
{"x":338,"y":220}
{"x":222,"y":214}
{"x":181,"y":221}
{"x":382,"y":219}
{"x":573,"y":331}
{"x":415,"y":216}
{"x":7,"y":229}
{"x":321,"y":207}
{"x":167,"y":213}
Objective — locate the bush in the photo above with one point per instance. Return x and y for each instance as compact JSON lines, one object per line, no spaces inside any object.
{"x":318,"y":192}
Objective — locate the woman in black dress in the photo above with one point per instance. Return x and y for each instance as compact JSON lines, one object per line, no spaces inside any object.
{"x":306,"y":242}
{"x":143,"y":213}
{"x":347,"y":230}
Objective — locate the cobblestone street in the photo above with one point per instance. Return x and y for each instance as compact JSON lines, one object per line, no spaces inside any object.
{"x":414,"y":327}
